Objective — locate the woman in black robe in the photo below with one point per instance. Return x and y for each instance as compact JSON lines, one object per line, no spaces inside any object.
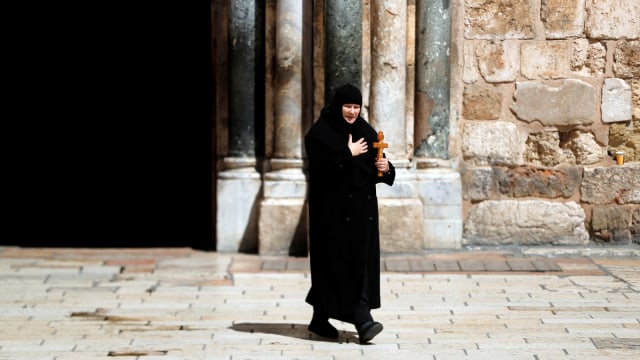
{"x":344,"y":239}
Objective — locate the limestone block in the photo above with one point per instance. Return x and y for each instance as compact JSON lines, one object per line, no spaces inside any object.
{"x":573,"y":103}
{"x":584,"y":148}
{"x":525,"y":222}
{"x":528,"y":181}
{"x":238,"y":194}
{"x":440,"y":192}
{"x":545,"y":59}
{"x":499,"y":62}
{"x":400,"y":225}
{"x":498,"y":19}
{"x":543,"y":148}
{"x":616,"y":101}
{"x":470,"y":72}
{"x":442,"y":234}
{"x":562,"y":18}
{"x":477,"y":183}
{"x":603,"y":185}
{"x":588,"y":59}
{"x":439,"y":187}
{"x":627,"y":59}
{"x":283,"y":226}
{"x":481,"y":102}
{"x":612,"y":19}
{"x":495,"y":142}
{"x":612,"y":223}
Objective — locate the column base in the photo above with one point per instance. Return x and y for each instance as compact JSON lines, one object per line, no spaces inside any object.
{"x":440,"y":191}
{"x":238,"y":193}
{"x":282,"y":228}
{"x":400,"y":225}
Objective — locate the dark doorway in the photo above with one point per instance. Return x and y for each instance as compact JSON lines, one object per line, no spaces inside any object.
{"x":116,"y":143}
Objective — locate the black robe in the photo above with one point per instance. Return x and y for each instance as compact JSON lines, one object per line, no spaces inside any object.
{"x":343,"y":214}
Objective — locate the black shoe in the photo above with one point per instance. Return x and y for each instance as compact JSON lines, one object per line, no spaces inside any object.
{"x":323,"y":328}
{"x":368,"y":331}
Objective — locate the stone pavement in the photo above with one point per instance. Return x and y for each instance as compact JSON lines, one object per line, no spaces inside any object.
{"x":179,"y":303}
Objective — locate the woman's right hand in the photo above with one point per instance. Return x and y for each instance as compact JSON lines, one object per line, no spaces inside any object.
{"x":357,"y":148}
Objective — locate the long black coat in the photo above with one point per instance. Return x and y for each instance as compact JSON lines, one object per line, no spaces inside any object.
{"x":343,"y":215}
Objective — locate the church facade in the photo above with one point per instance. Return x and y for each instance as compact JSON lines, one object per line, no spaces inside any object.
{"x":504,"y":119}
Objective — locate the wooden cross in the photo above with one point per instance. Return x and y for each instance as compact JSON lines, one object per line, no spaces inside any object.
{"x":380,"y":145}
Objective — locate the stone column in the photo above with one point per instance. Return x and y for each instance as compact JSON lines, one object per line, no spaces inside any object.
{"x":439,"y":187}
{"x":282,"y":221}
{"x":433,"y":42}
{"x":239,"y":185}
{"x":400,"y":208}
{"x":343,"y":44}
{"x":388,"y":73}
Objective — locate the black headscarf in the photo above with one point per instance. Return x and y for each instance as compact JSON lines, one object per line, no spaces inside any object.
{"x":345,"y":94}
{"x":349,"y":94}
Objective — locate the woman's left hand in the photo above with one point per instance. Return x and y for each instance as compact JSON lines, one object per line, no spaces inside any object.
{"x":382,"y":165}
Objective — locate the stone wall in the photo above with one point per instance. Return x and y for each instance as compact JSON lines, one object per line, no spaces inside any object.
{"x":550,"y":91}
{"x":515,"y":146}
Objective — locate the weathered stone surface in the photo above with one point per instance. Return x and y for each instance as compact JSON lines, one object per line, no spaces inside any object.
{"x":245,"y":30}
{"x":477,"y":183}
{"x":388,"y":73}
{"x":499,"y":61}
{"x":573,"y":103}
{"x":498,"y":19}
{"x":612,"y":224}
{"x":635,"y":98}
{"x":625,"y":137}
{"x":495,"y":142}
{"x":538,"y":182}
{"x":604,"y":185}
{"x":562,"y":18}
{"x":616,"y":101}
{"x":631,"y":196}
{"x":588,"y":59}
{"x":288,"y":80}
{"x":481,"y":102}
{"x":618,"y":135}
{"x":343,"y":38}
{"x":400,"y":225}
{"x":635,"y":225}
{"x":525,"y":222}
{"x":433,"y":53}
{"x":543,"y":59}
{"x":470,"y":72}
{"x":543,"y":148}
{"x":584,"y":148}
{"x":627,"y":59}
{"x":612,"y":19}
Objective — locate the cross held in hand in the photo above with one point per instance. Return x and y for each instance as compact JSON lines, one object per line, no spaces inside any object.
{"x":380,"y":145}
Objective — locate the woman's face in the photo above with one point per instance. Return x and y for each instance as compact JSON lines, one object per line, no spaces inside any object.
{"x":350,"y":112}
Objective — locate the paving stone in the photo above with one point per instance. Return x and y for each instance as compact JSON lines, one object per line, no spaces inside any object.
{"x":582,"y":307}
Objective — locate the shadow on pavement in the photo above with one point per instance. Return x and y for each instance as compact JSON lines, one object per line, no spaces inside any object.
{"x":298,"y":331}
